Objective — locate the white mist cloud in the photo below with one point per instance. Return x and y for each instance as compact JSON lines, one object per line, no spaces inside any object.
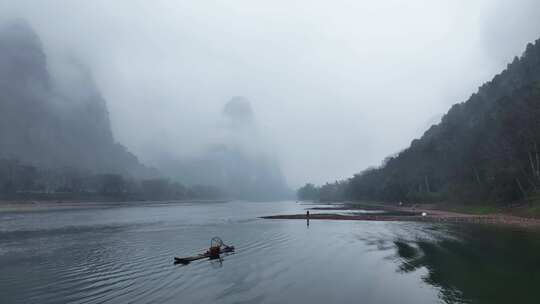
{"x":336,"y":85}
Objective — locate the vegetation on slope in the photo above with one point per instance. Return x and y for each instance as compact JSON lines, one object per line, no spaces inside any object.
{"x":484,"y":150}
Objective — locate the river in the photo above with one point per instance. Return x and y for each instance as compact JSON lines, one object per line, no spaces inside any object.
{"x":124,"y":254}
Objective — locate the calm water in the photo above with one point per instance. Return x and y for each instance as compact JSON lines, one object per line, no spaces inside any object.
{"x":125,"y":254}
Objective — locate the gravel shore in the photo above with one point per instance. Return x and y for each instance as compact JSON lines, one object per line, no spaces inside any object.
{"x":414,"y":214}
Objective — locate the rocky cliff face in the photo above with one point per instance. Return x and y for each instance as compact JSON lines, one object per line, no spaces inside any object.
{"x":45,"y":124}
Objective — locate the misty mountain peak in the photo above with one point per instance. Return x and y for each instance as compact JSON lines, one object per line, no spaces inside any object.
{"x":20,"y":31}
{"x":238,"y":112}
{"x":54,"y":121}
{"x":22,"y":60}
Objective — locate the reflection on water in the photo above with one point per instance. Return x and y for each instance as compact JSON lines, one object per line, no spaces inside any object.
{"x":477,"y":264}
{"x":125,"y":254}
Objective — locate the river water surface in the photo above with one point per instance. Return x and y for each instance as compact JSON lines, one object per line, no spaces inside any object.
{"x":124,"y":254}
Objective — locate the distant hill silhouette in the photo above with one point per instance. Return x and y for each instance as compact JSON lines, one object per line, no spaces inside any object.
{"x":239,"y":164}
{"x":43,"y":124}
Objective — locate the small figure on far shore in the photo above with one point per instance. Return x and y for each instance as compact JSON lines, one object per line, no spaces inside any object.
{"x":307,"y":217}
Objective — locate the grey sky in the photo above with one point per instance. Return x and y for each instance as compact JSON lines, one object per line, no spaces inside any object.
{"x":335,"y":85}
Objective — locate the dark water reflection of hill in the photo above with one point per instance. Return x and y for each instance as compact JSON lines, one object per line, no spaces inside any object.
{"x":476,"y":264}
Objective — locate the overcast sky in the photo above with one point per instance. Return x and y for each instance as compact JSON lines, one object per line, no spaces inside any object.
{"x":336,"y":85}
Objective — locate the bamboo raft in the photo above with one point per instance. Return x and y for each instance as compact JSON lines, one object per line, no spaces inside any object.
{"x":187,"y":260}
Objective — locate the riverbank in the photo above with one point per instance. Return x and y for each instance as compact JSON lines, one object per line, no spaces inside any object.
{"x":34,"y":206}
{"x":411,"y":213}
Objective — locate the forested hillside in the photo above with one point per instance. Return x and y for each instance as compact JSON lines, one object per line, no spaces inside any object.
{"x":484,"y":150}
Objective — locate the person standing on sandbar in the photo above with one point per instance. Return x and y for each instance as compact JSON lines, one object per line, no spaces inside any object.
{"x":307,"y":217}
